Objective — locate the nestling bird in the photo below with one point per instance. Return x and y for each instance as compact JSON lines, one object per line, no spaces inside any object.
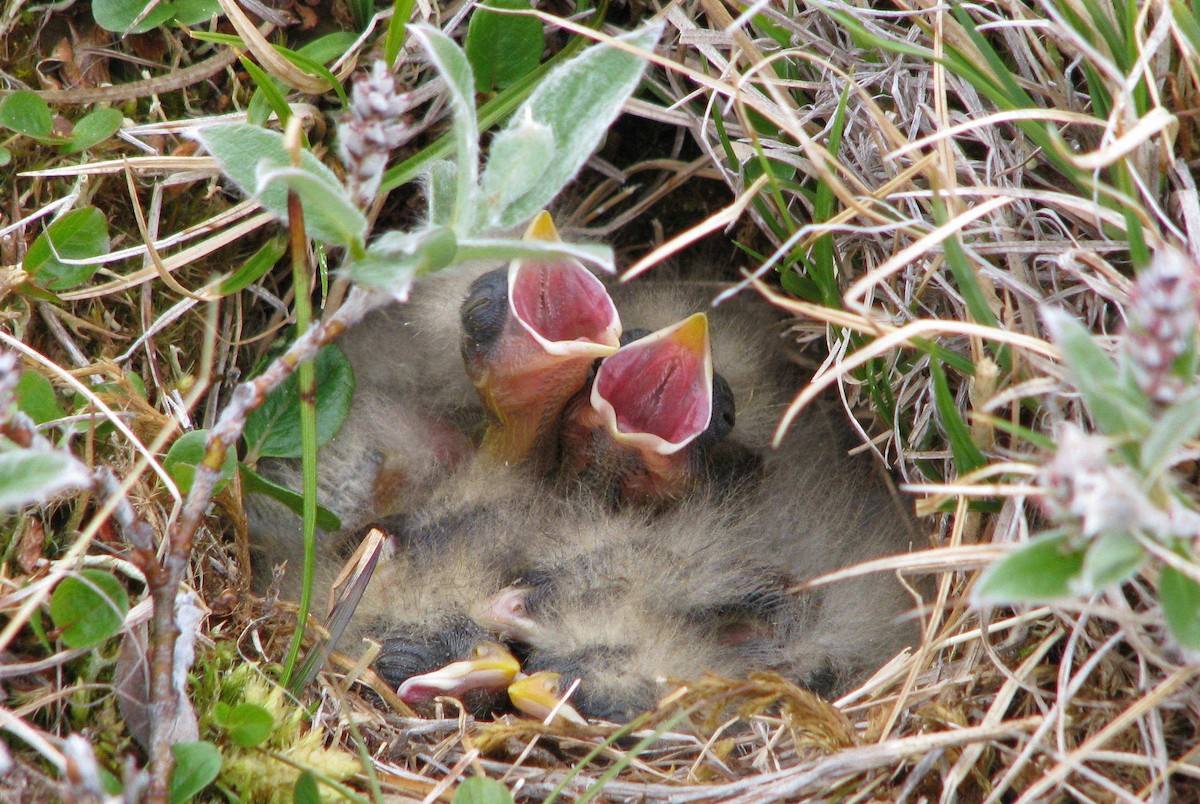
{"x":642,"y":429}
{"x":530,"y":336}
{"x":409,"y":424}
{"x":704,"y":585}
{"x":539,"y":696}
{"x":489,"y":668}
{"x":619,"y":597}
{"x":477,"y":533}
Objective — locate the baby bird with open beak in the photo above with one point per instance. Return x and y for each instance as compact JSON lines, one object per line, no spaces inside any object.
{"x":693,"y":402}
{"x":745,"y":339}
{"x":623,"y":597}
{"x":708,"y":584}
{"x":530,"y":336}
{"x":642,"y":431}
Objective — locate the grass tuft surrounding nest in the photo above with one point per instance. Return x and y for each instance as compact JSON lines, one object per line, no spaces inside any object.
{"x":915,"y":183}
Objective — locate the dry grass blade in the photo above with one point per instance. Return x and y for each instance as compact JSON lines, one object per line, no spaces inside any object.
{"x":711,"y":224}
{"x":268,"y":57}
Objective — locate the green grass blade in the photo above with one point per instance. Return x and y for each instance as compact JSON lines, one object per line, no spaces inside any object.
{"x":822,"y":268}
{"x":967,"y":456}
{"x":397,"y":29}
{"x":269,"y":89}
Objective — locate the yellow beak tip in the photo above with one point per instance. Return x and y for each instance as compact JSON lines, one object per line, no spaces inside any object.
{"x":693,"y":333}
{"x":542,"y":228}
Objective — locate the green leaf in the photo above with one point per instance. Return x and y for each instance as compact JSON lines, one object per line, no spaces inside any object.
{"x":517,"y":159}
{"x":271,"y":94}
{"x":32,"y":476}
{"x":195,"y":12}
{"x":245,"y":152}
{"x":81,"y":234}
{"x":503,"y":48}
{"x":967,"y":456}
{"x":270,"y":90}
{"x":493,"y":111}
{"x":452,"y":65}
{"x":258,"y":264}
{"x":1175,"y":426}
{"x":341,"y":222}
{"x":111,"y":784}
{"x":5,"y":156}
{"x":273,"y":428}
{"x":88,"y":608}
{"x":196,"y":767}
{"x":823,"y":271}
{"x":397,"y":29}
{"x":1117,"y":409}
{"x":305,"y":791}
{"x":293,"y":500}
{"x":258,"y":110}
{"x":37,"y":399}
{"x":361,"y":12}
{"x":481,"y":790}
{"x":396,"y":258}
{"x":26,"y":113}
{"x":1112,"y":559}
{"x":1044,"y":569}
{"x":1180,"y":599}
{"x":186,"y":454}
{"x":577,"y":102}
{"x":119,"y":15}
{"x":1186,"y":23}
{"x":329,"y":47}
{"x":314,"y":67}
{"x":93,"y":129}
{"x":962,"y":268}
{"x":248,"y":724}
{"x":473,"y":249}
{"x":440,"y":190}
{"x":871,"y":40}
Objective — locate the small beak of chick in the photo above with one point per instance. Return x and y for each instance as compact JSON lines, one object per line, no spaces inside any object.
{"x":559,"y":320}
{"x":538,"y":696}
{"x":491,"y":667}
{"x":655,"y":394}
{"x":506,"y":614}
{"x":649,"y":401}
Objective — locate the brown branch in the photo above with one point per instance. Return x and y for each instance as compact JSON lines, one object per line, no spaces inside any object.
{"x":223,"y":438}
{"x":171,"y":82}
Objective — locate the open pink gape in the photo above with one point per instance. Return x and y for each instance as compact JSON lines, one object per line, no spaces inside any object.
{"x":559,"y":320}
{"x":561,"y":303}
{"x":660,"y":384}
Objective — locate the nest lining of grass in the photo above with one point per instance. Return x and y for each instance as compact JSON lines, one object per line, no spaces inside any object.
{"x":1089,"y":702}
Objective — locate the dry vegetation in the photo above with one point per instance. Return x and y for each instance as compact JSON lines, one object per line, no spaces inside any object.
{"x":936,"y":173}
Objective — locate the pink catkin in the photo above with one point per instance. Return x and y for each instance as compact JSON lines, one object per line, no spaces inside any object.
{"x":373,"y":127}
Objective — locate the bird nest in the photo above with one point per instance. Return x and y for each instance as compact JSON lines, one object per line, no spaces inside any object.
{"x":913,"y":185}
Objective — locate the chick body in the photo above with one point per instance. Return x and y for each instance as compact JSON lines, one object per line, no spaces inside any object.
{"x":704,"y":585}
{"x":621,"y":598}
{"x":410,"y":423}
{"x":486,"y":528}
